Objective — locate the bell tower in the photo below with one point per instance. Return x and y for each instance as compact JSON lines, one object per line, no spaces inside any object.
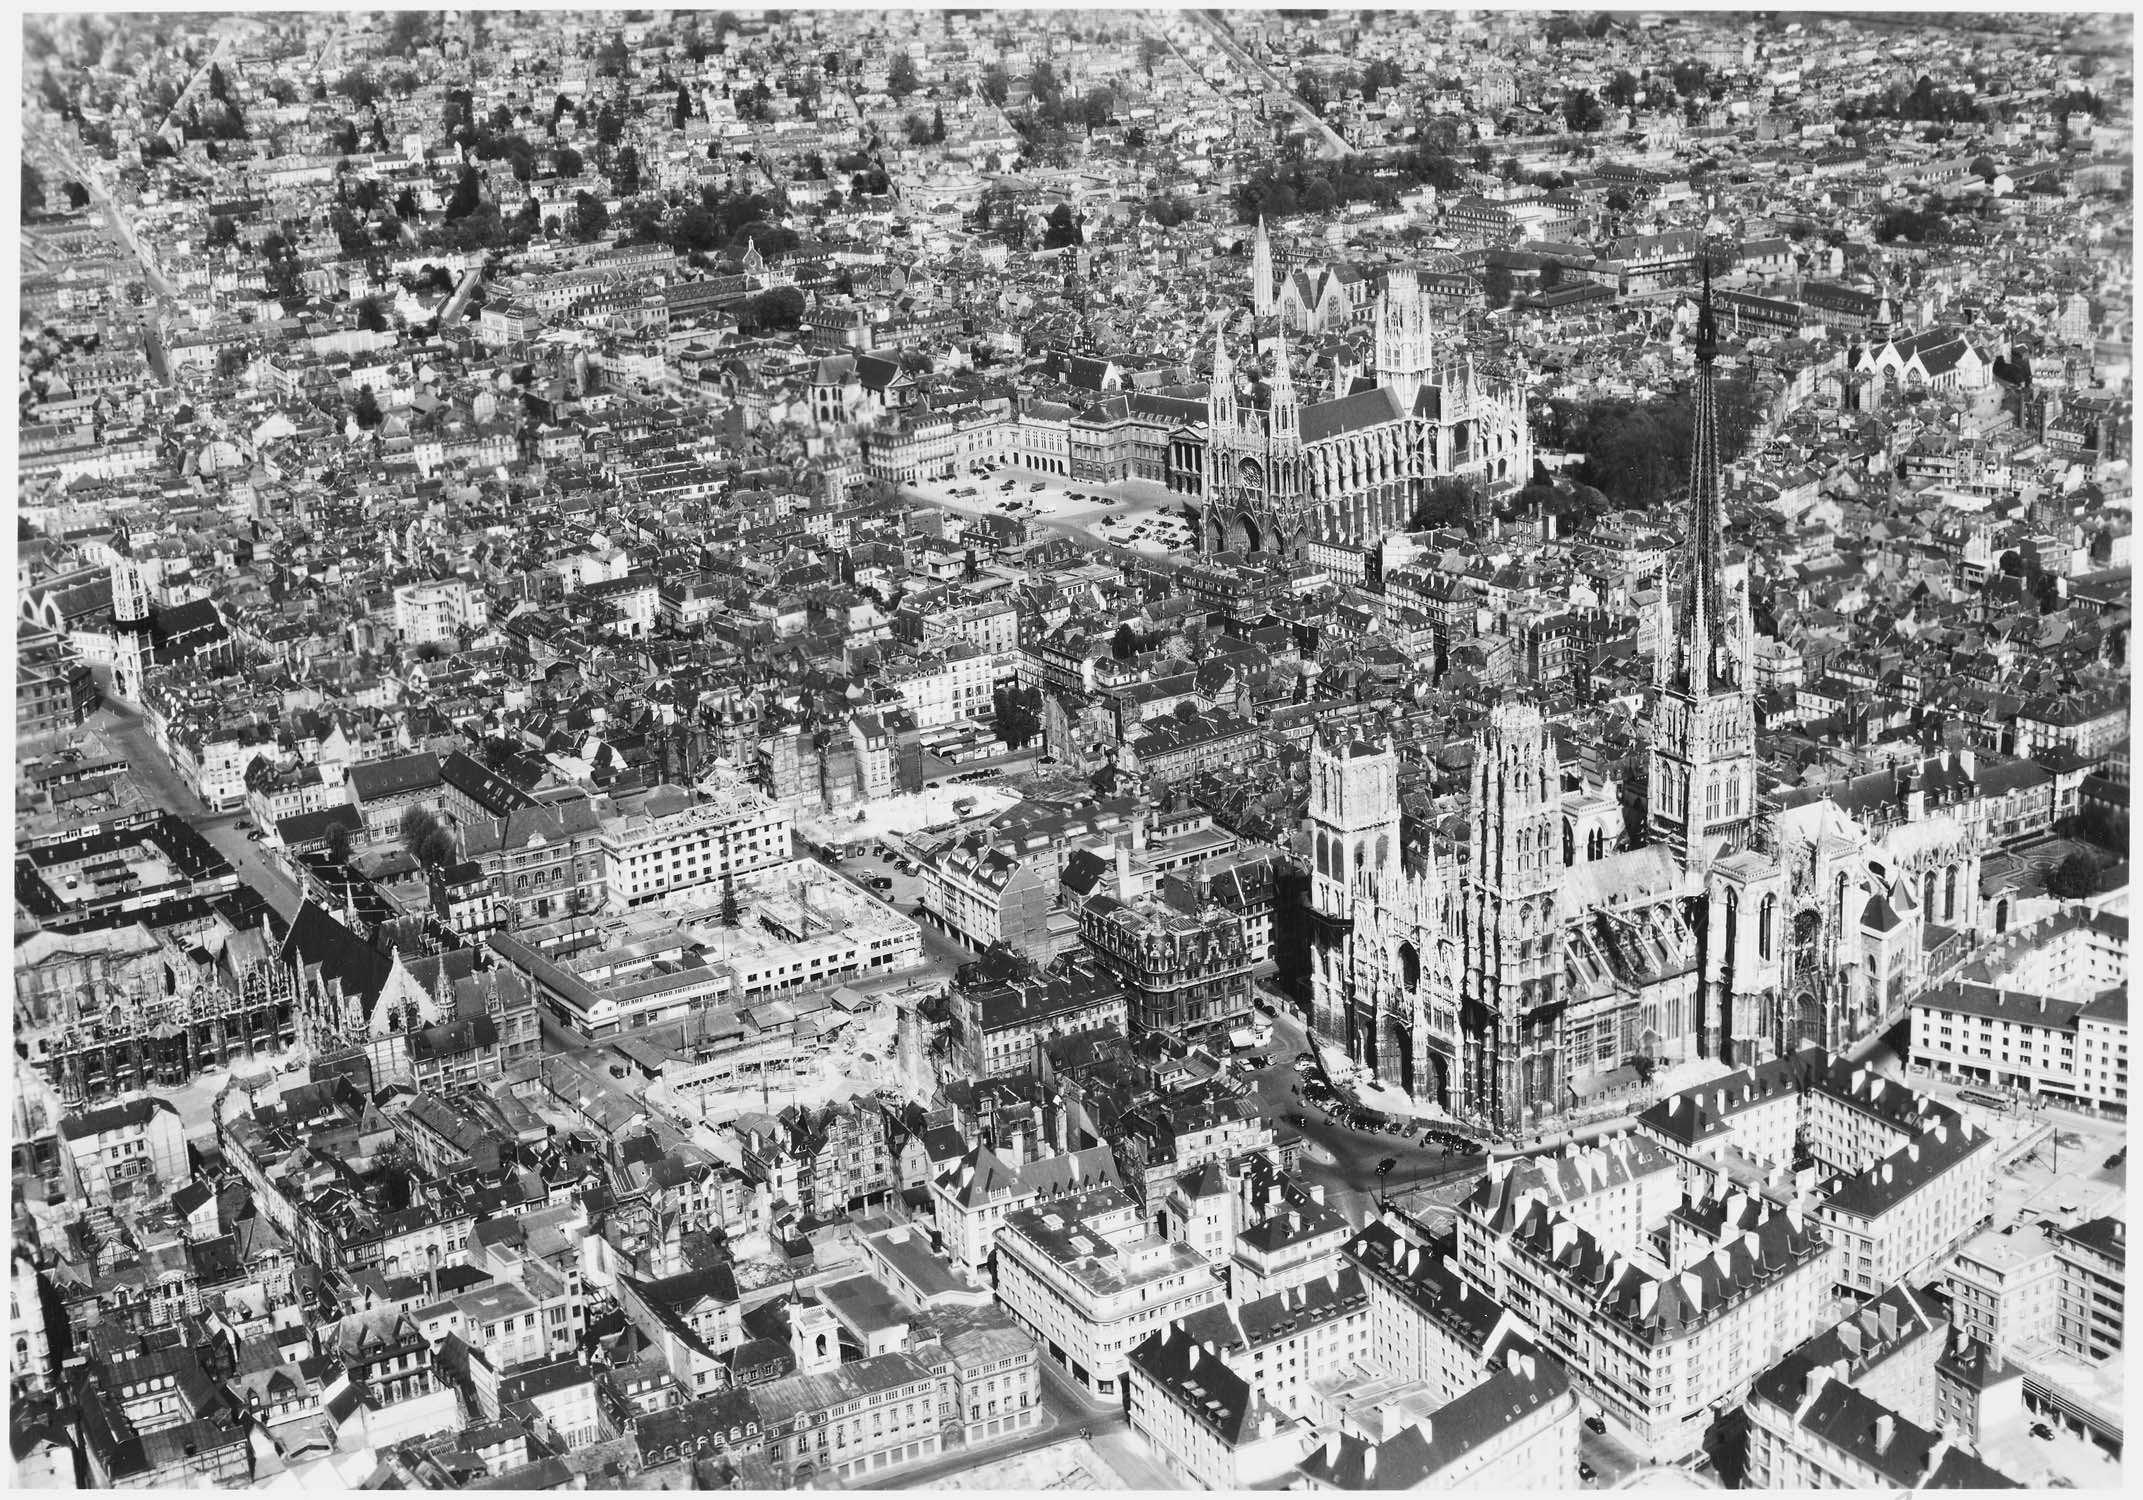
{"x":1221,"y":420}
{"x":132,"y":643}
{"x":1511,"y":938}
{"x":1405,"y":346}
{"x":1354,"y":832}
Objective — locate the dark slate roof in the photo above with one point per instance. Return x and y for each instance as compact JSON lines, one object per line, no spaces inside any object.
{"x":1822,"y":1372}
{"x":316,"y":936}
{"x":1354,"y":413}
{"x":1218,"y":1398}
{"x":1527,"y":1381}
{"x":131,"y":1115}
{"x":1883,"y":1185}
{"x":389,"y":778}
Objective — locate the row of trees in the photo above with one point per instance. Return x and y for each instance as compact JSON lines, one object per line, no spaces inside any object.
{"x":1318,"y":187}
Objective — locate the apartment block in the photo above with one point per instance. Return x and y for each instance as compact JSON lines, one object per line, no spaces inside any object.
{"x":673,"y":845}
{"x":1090,"y":1278}
{"x":1203,"y":1419}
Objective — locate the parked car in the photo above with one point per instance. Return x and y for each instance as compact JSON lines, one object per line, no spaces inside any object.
{"x":880,"y":883}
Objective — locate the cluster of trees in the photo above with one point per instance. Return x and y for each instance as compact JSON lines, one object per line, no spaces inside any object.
{"x":1929,"y":221}
{"x":1128,"y":642}
{"x":2077,"y":102}
{"x":364,"y":408}
{"x":697,"y":45}
{"x":613,"y":59}
{"x":755,"y":103}
{"x":775,"y":310}
{"x":279,"y":265}
{"x":409,"y":33}
{"x":1637,"y":452}
{"x":716,"y":224}
{"x":1167,"y":212}
{"x":1053,"y":109}
{"x":1448,"y":501}
{"x":926,"y":132}
{"x":1318,"y":187}
{"x":2074,"y":879}
{"x":1565,"y":26}
{"x":901,"y":79}
{"x":1691,"y":79}
{"x":1582,"y":111}
{"x":1924,"y":101}
{"x":1063,"y":231}
{"x":222,"y":120}
{"x":1316,"y":90}
{"x":1017,"y":715}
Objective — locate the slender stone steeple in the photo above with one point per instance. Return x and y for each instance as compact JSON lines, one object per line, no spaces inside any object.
{"x":1286,"y":408}
{"x":1220,"y":395}
{"x":1262,"y":289}
{"x":1701,"y":781}
{"x":1701,"y":662}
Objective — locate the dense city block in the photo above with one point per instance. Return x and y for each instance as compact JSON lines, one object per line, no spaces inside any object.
{"x":1013,"y":750}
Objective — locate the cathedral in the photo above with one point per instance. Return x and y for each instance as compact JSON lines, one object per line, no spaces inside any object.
{"x":1506,"y":980}
{"x":1350,"y":468}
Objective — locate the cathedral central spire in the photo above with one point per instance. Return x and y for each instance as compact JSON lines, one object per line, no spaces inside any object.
{"x":1703,"y":663}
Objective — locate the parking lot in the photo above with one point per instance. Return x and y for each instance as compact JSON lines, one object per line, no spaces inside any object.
{"x":902,"y":889}
{"x":1136,"y":514}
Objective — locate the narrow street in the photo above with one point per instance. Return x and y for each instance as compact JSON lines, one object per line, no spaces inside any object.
{"x":1332,"y":143}
{"x":149,"y":767}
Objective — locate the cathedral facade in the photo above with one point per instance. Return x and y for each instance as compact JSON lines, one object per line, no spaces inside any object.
{"x":1506,"y":980}
{"x":1350,"y":467}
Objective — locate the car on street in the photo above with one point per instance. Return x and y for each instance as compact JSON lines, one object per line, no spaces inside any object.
{"x":1596,"y":1423}
{"x":881,"y":883}
{"x":1586,"y":1472}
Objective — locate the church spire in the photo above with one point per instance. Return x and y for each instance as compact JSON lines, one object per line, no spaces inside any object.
{"x":1220,"y":395}
{"x":1261,"y":281}
{"x":1703,"y":664}
{"x":1286,"y":427}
